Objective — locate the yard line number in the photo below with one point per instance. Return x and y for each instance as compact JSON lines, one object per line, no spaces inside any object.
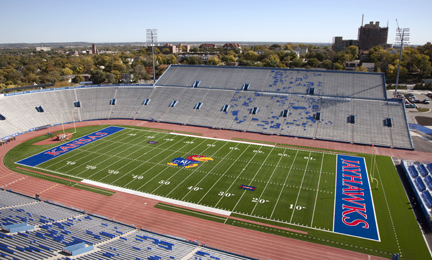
{"x":192,"y":188}
{"x":225,"y":194}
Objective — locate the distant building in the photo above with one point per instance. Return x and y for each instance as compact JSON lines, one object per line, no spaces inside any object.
{"x":94,"y":49}
{"x":231,"y":46}
{"x":371,"y":35}
{"x":183,"y":48}
{"x":341,"y":44}
{"x":352,"y":65}
{"x":207,"y":46}
{"x":171,"y":48}
{"x":41,"y":48}
{"x":303,"y":50}
{"x":370,"y":66}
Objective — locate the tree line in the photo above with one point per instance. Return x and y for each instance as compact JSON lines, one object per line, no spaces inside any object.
{"x":21,"y":67}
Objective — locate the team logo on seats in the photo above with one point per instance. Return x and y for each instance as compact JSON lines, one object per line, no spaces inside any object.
{"x":190,"y":162}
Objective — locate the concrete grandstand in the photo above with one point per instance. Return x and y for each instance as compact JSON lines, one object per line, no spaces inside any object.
{"x":350,"y":107}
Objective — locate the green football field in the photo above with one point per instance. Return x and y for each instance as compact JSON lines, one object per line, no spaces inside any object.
{"x":291,"y":186}
{"x":294,"y":188}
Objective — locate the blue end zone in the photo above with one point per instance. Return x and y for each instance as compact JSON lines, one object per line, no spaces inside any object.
{"x":67,"y":147}
{"x":354,"y":209}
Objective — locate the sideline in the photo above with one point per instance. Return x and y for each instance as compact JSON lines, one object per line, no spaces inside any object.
{"x":160,"y":198}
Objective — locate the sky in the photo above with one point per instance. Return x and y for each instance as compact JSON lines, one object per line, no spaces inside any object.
{"x":97,"y":21}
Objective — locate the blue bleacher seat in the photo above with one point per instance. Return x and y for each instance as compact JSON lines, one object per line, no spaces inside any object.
{"x":422,"y":170}
{"x":412,"y":171}
{"x":419,"y":184}
{"x":427,"y":199}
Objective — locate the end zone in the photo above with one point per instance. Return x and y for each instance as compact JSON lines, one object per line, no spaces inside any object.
{"x":354,"y":212}
{"x":69,"y":146}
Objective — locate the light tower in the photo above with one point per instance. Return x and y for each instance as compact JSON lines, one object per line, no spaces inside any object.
{"x":152,"y":39}
{"x":402,"y":36}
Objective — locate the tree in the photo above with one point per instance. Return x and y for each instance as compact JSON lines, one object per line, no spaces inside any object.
{"x":194,"y":49}
{"x":67,"y":71}
{"x":97,"y":76}
{"x":313,"y":62}
{"x":213,"y":61}
{"x":251,"y":55}
{"x":361,"y":69}
{"x":111,"y":78}
{"x":327,"y":64}
{"x":192,"y":60}
{"x":78,"y":79}
{"x":139,"y":72}
{"x":353,"y":50}
{"x":338,"y":66}
{"x":297,"y":63}
{"x":165,"y":51}
{"x":228,"y":58}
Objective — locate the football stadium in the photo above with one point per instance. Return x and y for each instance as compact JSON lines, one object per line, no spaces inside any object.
{"x":212,"y":163}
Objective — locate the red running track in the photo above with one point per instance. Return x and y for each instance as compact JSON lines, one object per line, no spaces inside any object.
{"x":139,"y":211}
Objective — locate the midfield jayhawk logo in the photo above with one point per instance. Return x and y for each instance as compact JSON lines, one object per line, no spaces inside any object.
{"x":190,"y":162}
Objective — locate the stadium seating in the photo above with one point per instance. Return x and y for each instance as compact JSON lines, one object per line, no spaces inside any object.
{"x":421,"y":183}
{"x":302,"y":94}
{"x":57,"y":227}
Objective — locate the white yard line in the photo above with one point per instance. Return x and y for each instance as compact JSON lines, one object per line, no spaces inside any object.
{"x":226,"y":140}
{"x":253,"y":179}
{"x":317,"y":190}
{"x":160,"y":198}
{"x":211,"y":188}
{"x":256,"y":204}
{"x":283,"y":186}
{"x":298,"y":195}
{"x":239,"y":176}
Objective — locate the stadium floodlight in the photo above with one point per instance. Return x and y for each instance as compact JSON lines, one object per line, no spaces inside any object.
{"x":402,"y":37}
{"x":151,"y":36}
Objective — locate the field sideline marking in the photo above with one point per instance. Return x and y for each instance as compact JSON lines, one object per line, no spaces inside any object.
{"x":286,"y":223}
{"x":301,"y":184}
{"x":319,"y":179}
{"x":159,"y":198}
{"x":226,"y":140}
{"x":283,"y":187}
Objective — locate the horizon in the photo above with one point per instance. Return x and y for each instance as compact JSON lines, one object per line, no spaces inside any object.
{"x":49,"y":21}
